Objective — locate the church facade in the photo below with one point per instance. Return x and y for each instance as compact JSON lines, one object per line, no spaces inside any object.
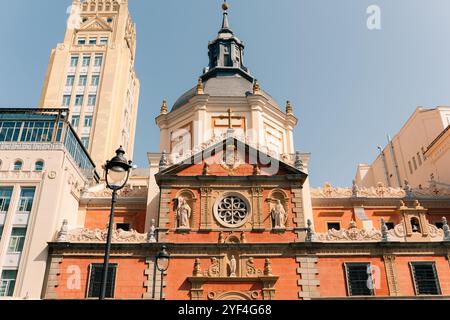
{"x":229,"y":198}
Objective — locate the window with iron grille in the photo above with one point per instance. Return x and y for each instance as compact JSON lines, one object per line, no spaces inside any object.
{"x":359,"y":279}
{"x":95,"y":280}
{"x":426,"y":280}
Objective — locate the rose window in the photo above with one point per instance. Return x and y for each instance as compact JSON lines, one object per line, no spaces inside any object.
{"x":232,"y":211}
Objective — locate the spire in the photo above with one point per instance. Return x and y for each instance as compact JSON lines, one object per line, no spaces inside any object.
{"x":226,"y":53}
{"x":225,"y":22}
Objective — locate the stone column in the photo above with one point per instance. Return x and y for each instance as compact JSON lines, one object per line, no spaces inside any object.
{"x":257,"y":209}
{"x":205,"y":209}
{"x":391,"y":274}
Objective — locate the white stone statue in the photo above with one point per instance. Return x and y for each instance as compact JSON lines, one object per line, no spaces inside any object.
{"x":279,"y":216}
{"x":232,"y":267}
{"x":183,"y":213}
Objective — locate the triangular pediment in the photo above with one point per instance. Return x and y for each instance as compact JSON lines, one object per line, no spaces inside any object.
{"x":95,"y":24}
{"x":231,"y":158}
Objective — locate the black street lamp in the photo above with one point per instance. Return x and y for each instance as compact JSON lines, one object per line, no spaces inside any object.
{"x":162,"y":263}
{"x":117,"y":173}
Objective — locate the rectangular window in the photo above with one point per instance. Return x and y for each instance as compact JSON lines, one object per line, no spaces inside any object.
{"x":9,"y":131}
{"x":420,"y":159}
{"x":75,"y":121}
{"x":74,"y":61}
{"x":334,"y":225}
{"x":425,"y":278}
{"x":37,"y":131}
{"x":81,"y":40}
{"x":92,"y":40}
{"x":66,"y":100}
{"x":70,"y":81}
{"x":359,"y":279}
{"x":26,"y":199}
{"x":414,"y":163}
{"x":95,"y":280}
{"x":123,"y":226}
{"x":79,"y":100}
{"x":95,"y":80}
{"x":85,"y":142}
{"x":98,"y":60}
{"x":86,"y":61}
{"x":5,"y":198}
{"x":92,"y":99}
{"x":17,"y":240}
{"x":104,"y":40}
{"x":82,"y":81}
{"x":7,"y":283}
{"x":390,"y":225}
{"x":88,"y":121}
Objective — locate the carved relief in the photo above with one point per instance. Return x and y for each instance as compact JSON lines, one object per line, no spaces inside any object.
{"x":214,"y":269}
{"x":250,"y":268}
{"x":97,"y":235}
{"x":379,"y":191}
{"x":231,"y":295}
{"x":351,"y":234}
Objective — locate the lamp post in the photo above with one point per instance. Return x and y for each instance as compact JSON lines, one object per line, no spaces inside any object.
{"x":117,"y":173}
{"x":162,"y":263}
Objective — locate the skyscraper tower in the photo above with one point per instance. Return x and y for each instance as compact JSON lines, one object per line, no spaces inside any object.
{"x":92,"y":73}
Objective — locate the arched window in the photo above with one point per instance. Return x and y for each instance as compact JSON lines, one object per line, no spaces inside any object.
{"x":18,"y":165}
{"x":415,"y":225}
{"x":39,"y":165}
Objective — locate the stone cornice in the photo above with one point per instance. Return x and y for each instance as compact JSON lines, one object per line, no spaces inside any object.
{"x":274,"y":249}
{"x":383,"y":203}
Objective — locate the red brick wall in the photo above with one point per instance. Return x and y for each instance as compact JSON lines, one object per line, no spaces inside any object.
{"x":345,"y":215}
{"x":405,"y":278}
{"x":212,"y":237}
{"x":332,"y":276}
{"x":129,"y":278}
{"x":286,"y":287}
{"x":98,"y":219}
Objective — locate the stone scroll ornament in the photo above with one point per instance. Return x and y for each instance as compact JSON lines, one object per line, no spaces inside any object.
{"x":214,"y":269}
{"x":183,"y":213}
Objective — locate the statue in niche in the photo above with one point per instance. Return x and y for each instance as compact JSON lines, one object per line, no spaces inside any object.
{"x":232,"y":267}
{"x":183,"y":213}
{"x":279,"y":216}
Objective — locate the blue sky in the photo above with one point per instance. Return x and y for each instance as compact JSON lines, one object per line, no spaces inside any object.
{"x":349,"y":86}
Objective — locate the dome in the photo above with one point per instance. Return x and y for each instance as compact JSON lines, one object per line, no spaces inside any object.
{"x":231,"y":86}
